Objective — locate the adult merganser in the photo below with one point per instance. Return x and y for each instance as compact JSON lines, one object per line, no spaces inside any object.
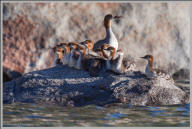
{"x":110,"y":37}
{"x":116,"y":61}
{"x":155,"y":73}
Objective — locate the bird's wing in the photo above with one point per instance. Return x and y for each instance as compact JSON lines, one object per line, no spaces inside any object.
{"x":98,"y":44}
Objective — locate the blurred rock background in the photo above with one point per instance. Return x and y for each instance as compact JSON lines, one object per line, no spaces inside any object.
{"x":30,"y":30}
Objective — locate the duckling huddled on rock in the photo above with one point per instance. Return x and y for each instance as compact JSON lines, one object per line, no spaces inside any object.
{"x":157,"y":74}
{"x":116,"y":61}
{"x":59,"y":54}
{"x":77,"y":56}
{"x":103,"y":55}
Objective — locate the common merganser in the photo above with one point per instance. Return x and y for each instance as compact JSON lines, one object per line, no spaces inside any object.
{"x":93,"y":63}
{"x":72,"y":57}
{"x":155,"y":73}
{"x":88,"y":44}
{"x":59,"y":55}
{"x":110,"y":36}
{"x":116,"y":61}
{"x":79,"y":53}
{"x":66,"y":55}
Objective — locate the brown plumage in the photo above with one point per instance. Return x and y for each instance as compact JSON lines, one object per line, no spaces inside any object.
{"x":59,"y":50}
{"x":106,"y":47}
{"x":73,"y":45}
{"x":94,"y":65}
{"x":110,"y":37}
{"x":66,"y":49}
{"x":59,"y":53}
{"x":88,"y":45}
{"x":151,"y":72}
{"x":116,"y":61}
{"x":107,"y":20}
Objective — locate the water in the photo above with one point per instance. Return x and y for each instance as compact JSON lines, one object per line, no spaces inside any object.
{"x":121,"y":115}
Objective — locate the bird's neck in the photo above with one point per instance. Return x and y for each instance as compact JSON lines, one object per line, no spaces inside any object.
{"x":150,"y":66}
{"x":109,"y":32}
{"x":108,"y":28}
{"x":107,"y":23}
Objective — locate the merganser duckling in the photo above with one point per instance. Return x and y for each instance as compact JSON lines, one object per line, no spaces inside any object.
{"x":72,"y":59}
{"x":59,"y":55}
{"x":96,"y":66}
{"x":116,"y":61}
{"x":88,"y":44}
{"x":79,"y":53}
{"x":93,"y":64}
{"x":66,"y":55}
{"x":110,"y":37}
{"x":157,"y":73}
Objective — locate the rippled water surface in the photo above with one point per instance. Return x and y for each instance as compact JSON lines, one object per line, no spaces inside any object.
{"x":20,"y":114}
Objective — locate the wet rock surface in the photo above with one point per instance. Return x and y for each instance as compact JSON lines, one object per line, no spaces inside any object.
{"x":65,"y":86}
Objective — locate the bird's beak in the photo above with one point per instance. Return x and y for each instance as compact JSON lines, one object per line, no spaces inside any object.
{"x":117,"y":17}
{"x":142,"y":57}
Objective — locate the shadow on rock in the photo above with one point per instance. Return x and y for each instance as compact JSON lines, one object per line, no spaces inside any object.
{"x":9,"y":75}
{"x":65,"y":86}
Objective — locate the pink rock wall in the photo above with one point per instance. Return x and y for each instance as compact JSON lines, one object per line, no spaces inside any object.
{"x":31,"y":29}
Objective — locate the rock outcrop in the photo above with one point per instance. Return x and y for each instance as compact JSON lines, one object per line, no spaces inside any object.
{"x":66,"y":86}
{"x":9,"y":75}
{"x":31,"y":29}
